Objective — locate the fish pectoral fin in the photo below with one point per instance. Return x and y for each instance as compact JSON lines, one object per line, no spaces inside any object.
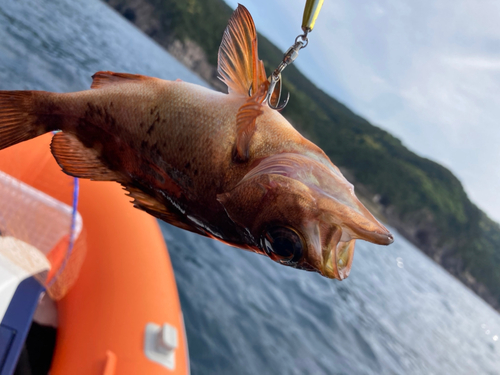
{"x":103,"y":79}
{"x":239,"y":66}
{"x":246,"y":119}
{"x":79,"y":161}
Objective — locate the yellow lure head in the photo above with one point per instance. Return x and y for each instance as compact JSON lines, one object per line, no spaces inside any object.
{"x":311,"y":11}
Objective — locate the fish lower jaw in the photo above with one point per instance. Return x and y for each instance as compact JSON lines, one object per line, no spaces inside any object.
{"x":334,"y":269}
{"x":337,"y":260}
{"x":332,"y":272}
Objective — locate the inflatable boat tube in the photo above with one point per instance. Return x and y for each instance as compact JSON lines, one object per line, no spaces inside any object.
{"x":122,"y":315}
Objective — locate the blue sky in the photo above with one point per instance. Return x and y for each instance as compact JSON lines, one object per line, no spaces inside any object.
{"x":426,"y":71}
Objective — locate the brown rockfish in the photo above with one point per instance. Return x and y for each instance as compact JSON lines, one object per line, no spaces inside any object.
{"x":225,"y":166}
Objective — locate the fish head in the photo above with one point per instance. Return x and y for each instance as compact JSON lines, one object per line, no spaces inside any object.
{"x":302,"y":212}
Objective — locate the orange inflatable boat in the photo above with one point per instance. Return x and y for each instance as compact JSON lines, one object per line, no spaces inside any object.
{"x":118,"y":308}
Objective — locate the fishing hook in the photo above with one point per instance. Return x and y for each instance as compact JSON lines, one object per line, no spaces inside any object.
{"x":311,"y":11}
{"x":300,"y":42}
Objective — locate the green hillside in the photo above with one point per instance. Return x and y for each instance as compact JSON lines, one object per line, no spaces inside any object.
{"x":419,"y":197}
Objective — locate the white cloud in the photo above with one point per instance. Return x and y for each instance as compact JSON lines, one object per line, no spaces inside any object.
{"x":474,"y":62}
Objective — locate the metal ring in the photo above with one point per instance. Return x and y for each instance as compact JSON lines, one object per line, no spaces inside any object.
{"x":304,"y":42}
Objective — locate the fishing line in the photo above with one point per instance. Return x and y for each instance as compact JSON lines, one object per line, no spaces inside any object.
{"x":71,"y":244}
{"x":72,"y":229}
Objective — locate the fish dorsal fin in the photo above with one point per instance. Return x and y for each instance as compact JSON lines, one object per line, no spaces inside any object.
{"x":239,"y":66}
{"x":102,"y":79}
{"x":79,"y":161}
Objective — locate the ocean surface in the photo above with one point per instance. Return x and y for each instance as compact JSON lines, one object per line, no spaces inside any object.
{"x":397,"y":313}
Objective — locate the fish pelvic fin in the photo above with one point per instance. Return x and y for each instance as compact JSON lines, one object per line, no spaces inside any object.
{"x":19,"y":120}
{"x":147,"y":203}
{"x":239,"y":66}
{"x":79,"y":161}
{"x":103,"y":79}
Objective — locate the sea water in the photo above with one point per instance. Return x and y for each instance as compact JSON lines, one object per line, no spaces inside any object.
{"x":397,"y":313}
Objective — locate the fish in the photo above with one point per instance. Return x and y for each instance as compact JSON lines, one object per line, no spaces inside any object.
{"x":225,"y":166}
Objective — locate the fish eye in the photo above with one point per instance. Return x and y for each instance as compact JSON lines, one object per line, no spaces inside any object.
{"x":282,"y":244}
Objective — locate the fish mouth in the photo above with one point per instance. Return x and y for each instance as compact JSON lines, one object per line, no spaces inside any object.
{"x":338,"y":256}
{"x":337,"y":260}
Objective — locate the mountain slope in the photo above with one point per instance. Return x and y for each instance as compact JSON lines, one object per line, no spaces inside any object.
{"x":421,"y":198}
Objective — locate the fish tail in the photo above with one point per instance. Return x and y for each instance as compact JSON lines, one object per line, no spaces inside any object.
{"x":22,"y":118}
